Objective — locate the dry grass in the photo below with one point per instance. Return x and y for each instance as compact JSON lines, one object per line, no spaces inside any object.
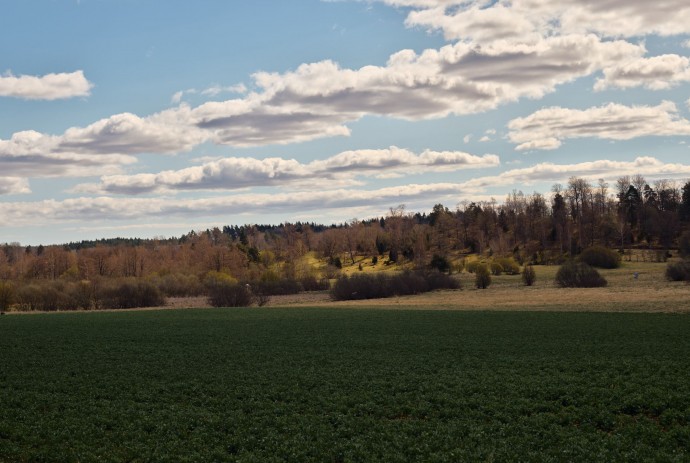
{"x":650,"y":292}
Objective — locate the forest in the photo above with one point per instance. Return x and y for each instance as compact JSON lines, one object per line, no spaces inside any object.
{"x":535,"y":229}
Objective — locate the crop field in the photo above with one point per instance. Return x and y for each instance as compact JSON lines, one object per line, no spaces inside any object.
{"x":338,"y":384}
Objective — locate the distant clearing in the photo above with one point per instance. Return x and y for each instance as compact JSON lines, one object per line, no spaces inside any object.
{"x":650,"y":292}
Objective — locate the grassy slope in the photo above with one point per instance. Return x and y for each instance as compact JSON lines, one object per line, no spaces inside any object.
{"x":344,"y":385}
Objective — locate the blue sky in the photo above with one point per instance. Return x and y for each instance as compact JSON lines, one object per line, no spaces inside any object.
{"x":153,"y":118}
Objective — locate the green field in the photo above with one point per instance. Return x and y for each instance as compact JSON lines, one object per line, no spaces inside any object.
{"x":330,"y":385}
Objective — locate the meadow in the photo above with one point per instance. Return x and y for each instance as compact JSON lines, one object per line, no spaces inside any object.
{"x":344,"y":384}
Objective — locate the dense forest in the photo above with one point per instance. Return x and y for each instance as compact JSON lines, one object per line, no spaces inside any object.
{"x":531,"y":228}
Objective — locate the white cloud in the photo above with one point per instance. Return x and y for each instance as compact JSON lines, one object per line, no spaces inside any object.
{"x":467,"y":138}
{"x":47,"y":87}
{"x":239,"y":173}
{"x":215,"y":90}
{"x":108,"y":210}
{"x":317,"y":100}
{"x":547,"y":128}
{"x":31,"y":154}
{"x":650,"y":167}
{"x":14,"y":185}
{"x":655,"y":73}
{"x":482,"y":21}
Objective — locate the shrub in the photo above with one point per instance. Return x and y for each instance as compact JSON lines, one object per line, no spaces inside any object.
{"x":508,"y":265}
{"x":579,"y":275}
{"x":678,"y":271}
{"x":437,"y":280}
{"x":374,"y":260}
{"x":130,"y":293}
{"x":471,"y":265}
{"x":440,"y":263}
{"x":310,"y":283}
{"x":229,"y":294}
{"x":482,"y":278}
{"x":364,"y":286}
{"x":684,"y":244}
{"x":6,"y":296}
{"x":529,"y":276}
{"x":45,"y":296}
{"x":601,"y":257}
{"x":496,"y":268}
{"x":335,"y":262}
{"x":276,"y":287}
{"x":178,"y":285}
{"x":82,"y":293}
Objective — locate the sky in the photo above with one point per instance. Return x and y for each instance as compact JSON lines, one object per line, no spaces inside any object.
{"x":152,"y":118}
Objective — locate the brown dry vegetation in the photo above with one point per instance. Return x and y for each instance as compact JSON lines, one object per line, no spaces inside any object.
{"x":649,"y":293}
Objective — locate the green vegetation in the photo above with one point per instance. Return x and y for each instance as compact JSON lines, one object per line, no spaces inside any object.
{"x":344,"y":385}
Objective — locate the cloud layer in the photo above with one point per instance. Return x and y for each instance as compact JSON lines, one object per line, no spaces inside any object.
{"x":547,"y":128}
{"x":239,"y":173}
{"x":47,"y":87}
{"x":106,"y":209}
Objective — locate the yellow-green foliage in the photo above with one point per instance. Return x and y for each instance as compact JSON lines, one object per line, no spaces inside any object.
{"x":496,"y":268}
{"x":482,"y":278}
{"x":270,"y":275}
{"x":508,"y":265}
{"x":213,"y":278}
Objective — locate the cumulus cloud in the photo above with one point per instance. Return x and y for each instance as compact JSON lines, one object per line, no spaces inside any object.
{"x":107,"y":209}
{"x":14,"y":185}
{"x":47,"y":87}
{"x":655,"y":73}
{"x":547,"y":128}
{"x":480,"y":20}
{"x":238,"y":173}
{"x":651,"y":167}
{"x":31,"y":154}
{"x":118,"y":209}
{"x":317,"y":100}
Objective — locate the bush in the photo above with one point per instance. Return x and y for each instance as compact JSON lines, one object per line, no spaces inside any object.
{"x":229,"y":294}
{"x":509,"y":265}
{"x":684,"y":244}
{"x":529,"y":276}
{"x":437,"y":280}
{"x":471,"y":265}
{"x":276,"y":287}
{"x":482,"y":278}
{"x":601,"y":257}
{"x":496,"y":268}
{"x":364,"y":286}
{"x":678,"y":271}
{"x":130,"y":293}
{"x":45,"y":296}
{"x":178,"y":285}
{"x":6,"y":296}
{"x":335,"y":262}
{"x":310,"y":283}
{"x":579,"y":275}
{"x":440,"y":263}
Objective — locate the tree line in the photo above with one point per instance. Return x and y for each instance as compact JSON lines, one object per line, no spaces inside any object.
{"x":532,"y":228}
